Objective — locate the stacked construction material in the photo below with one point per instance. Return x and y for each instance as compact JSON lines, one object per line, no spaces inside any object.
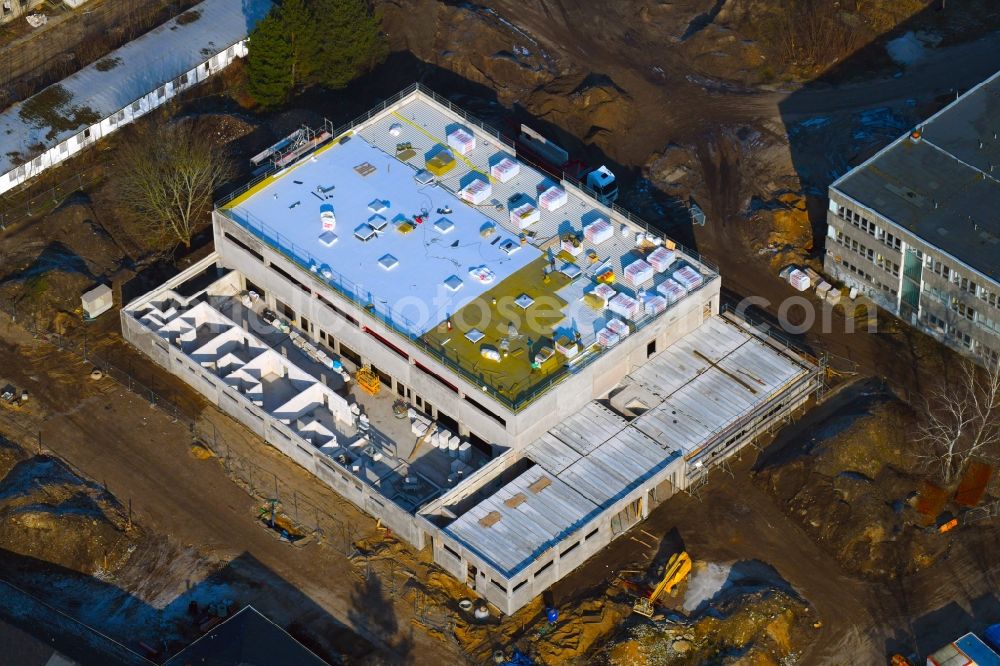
{"x":799,"y":280}
{"x":505,"y":169}
{"x":442,"y":162}
{"x":625,"y":306}
{"x":604,"y":292}
{"x":567,"y":347}
{"x":607,"y":338}
{"x":619,"y":328}
{"x":661,"y":258}
{"x":553,"y":198}
{"x":525,"y":215}
{"x":654,"y":305}
{"x":327,"y":218}
{"x":671,"y":291}
{"x":476,"y":192}
{"x":571,"y":245}
{"x":462,"y":141}
{"x":638,"y":272}
{"x":688,"y":278}
{"x":598,"y":231}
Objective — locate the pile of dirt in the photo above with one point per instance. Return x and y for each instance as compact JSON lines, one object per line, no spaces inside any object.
{"x":48,"y":266}
{"x":783,"y":230}
{"x":852,"y":488}
{"x":759,"y":627}
{"x":48,"y":513}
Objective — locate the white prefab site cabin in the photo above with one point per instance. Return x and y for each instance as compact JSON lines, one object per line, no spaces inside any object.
{"x":68,"y":116}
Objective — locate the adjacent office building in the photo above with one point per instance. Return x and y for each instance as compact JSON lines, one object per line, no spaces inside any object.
{"x":916,"y":227}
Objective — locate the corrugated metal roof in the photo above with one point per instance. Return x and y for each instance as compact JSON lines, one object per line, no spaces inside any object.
{"x":589,"y":428}
{"x":146,"y":63}
{"x":706,"y":380}
{"x":524,"y":531}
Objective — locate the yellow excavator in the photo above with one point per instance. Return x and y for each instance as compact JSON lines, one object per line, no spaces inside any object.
{"x":677,"y":569}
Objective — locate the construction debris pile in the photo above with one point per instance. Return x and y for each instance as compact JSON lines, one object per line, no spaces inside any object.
{"x":753,"y":627}
{"x":49,"y":513}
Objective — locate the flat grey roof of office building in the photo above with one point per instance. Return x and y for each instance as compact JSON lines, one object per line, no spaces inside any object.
{"x":944,"y":187}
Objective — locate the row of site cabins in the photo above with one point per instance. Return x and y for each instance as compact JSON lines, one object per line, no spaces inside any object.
{"x":156,"y":97}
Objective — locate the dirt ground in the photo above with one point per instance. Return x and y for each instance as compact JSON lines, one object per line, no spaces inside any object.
{"x":673,"y":96}
{"x":205,"y":543}
{"x":31,"y":59}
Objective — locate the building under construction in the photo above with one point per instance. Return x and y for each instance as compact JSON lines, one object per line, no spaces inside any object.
{"x":488,"y":360}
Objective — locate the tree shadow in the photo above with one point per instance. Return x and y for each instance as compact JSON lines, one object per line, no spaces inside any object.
{"x":932,"y":631}
{"x":372,"y":607}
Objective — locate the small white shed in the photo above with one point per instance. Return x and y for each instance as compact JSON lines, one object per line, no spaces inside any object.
{"x":97,"y":301}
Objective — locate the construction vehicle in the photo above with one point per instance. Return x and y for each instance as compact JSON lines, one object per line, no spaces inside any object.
{"x":677,"y":569}
{"x":602,"y":181}
{"x":555,"y":159}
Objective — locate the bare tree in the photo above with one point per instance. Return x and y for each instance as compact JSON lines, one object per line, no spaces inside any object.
{"x":963,"y":419}
{"x":167,"y":174}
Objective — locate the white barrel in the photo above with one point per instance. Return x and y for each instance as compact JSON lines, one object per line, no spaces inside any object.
{"x":465,"y":452}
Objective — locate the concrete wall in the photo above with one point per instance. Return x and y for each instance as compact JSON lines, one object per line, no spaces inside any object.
{"x":516,"y":429}
{"x":156,"y":97}
{"x":275,"y":433}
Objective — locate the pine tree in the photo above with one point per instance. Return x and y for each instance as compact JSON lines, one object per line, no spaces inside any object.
{"x":302,"y":32}
{"x":351,"y":41}
{"x":269,"y":75}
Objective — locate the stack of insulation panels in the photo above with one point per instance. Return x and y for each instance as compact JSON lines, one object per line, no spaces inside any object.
{"x":619,"y":328}
{"x":607,"y":337}
{"x":567,"y":347}
{"x":525,"y":215}
{"x":605,"y":292}
{"x":599,"y":231}
{"x":505,"y":169}
{"x":688,"y":278}
{"x":462,"y":141}
{"x":799,"y":280}
{"x":638,"y":272}
{"x":553,"y":198}
{"x":625,"y":306}
{"x":654,"y":305}
{"x":661,"y":258}
{"x":571,"y":246}
{"x":476,"y":192}
{"x":671,"y":291}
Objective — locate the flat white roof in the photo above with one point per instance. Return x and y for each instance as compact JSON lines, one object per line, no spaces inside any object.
{"x":418,"y":289}
{"x":700,"y":385}
{"x":397,"y":142}
{"x":142,"y":65}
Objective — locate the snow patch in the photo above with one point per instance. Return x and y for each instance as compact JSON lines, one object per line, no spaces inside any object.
{"x":906,"y":50}
{"x":705,"y":584}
